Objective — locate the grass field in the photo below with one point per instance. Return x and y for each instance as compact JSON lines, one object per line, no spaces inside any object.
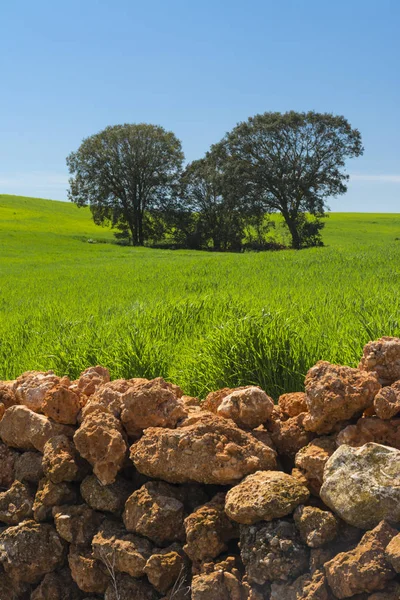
{"x":203,"y":320}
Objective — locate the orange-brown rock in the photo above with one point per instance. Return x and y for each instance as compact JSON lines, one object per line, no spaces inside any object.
{"x":165,"y":568}
{"x":248,"y":407}
{"x":293,"y":404}
{"x":393,"y":553}
{"x":336,"y":393}
{"x":213,"y":450}
{"x":391,"y":592}
{"x":288,"y":435}
{"x":100,"y":441}
{"x":383,"y":357}
{"x":305,"y":587}
{"x":364,"y":569}
{"x":8,"y":459}
{"x":91,"y":379}
{"x":24,"y":429}
{"x":57,"y":586}
{"x":214,"y":399}
{"x":264,"y":496}
{"x":387,"y":401}
{"x":317,"y":527}
{"x":127,"y":588}
{"x":28,"y":467}
{"x":30,"y":550}
{"x":208,"y":530}
{"x":62,"y":404}
{"x":262,"y":435}
{"x":51,"y":494}
{"x":218,"y":585}
{"x":31,"y":387}
{"x":61,"y":462}
{"x":108,"y":498}
{"x":108,"y":396}
{"x":15,"y":504}
{"x":311,"y":461}
{"x":89,"y":574}
{"x":7,"y":396}
{"x":2,"y":410}
{"x":371,"y":429}
{"x":156,"y":511}
{"x":152,"y":404}
{"x":76,"y":524}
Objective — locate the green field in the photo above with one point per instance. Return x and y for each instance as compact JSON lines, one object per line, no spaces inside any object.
{"x":203,"y":320}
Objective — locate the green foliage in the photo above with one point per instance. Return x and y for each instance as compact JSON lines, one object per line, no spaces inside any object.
{"x":203,"y":320}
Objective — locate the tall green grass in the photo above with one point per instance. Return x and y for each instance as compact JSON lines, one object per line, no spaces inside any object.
{"x":203,"y":320}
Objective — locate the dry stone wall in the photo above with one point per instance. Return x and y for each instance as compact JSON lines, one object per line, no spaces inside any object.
{"x":130,"y":490}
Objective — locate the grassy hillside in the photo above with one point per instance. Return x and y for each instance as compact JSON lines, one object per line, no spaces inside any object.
{"x":202,"y":319}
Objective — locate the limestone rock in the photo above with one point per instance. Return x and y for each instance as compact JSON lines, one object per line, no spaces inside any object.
{"x":208,"y":530}
{"x":288,"y":435}
{"x":100,"y":441}
{"x":57,"y":586}
{"x":214,"y":399}
{"x":264,"y":496}
{"x":31,"y":387}
{"x":272,"y":552}
{"x":28,"y":467}
{"x":156,"y":511}
{"x":364,"y":569}
{"x":387,"y":401}
{"x":90,"y":380}
{"x":7,"y":396}
{"x":165,"y":568}
{"x":335,"y":394}
{"x":212,"y":451}
{"x":76,"y":524}
{"x":248,"y":408}
{"x":24,"y":429}
{"x":221,"y":585}
{"x":362,"y":485}
{"x":108,"y":498}
{"x":393,"y":553}
{"x":30,"y":550}
{"x":305,"y":587}
{"x":153,"y":404}
{"x":62,"y":404}
{"x":128,"y":588}
{"x":51,"y":494}
{"x":311,"y":461}
{"x":383,"y":357}
{"x":108,"y":396}
{"x":89,"y":574}
{"x":8,"y":458}
{"x":15,"y":504}
{"x":317,"y":527}
{"x":61,"y":462}
{"x":391,"y":592}
{"x":293,"y":404}
{"x":371,"y":429}
{"x":128,"y":553}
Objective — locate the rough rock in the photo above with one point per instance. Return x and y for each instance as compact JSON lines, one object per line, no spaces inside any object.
{"x":272,"y":552}
{"x":311,"y":461}
{"x":264,"y":496}
{"x":61,"y":462}
{"x":28,"y":467}
{"x":76,"y":524}
{"x":57,"y":586}
{"x":8,"y":458}
{"x":214,"y":399}
{"x":213,"y":451}
{"x":208,"y":530}
{"x":371,"y":429}
{"x":221,"y":585}
{"x":305,"y":587}
{"x":335,"y":394}
{"x":293,"y":404}
{"x":24,"y":429}
{"x":288,"y":435}
{"x":156,"y":511}
{"x":317,"y":527}
{"x":62,"y":404}
{"x":165,"y":568}
{"x":383,"y":357}
{"x":15,"y":504}
{"x":108,"y":396}
{"x":90,"y":380}
{"x":127,"y":588}
{"x":248,"y":408}
{"x":100,"y":441}
{"x":362,"y":485}
{"x":387,"y":401}
{"x":393,"y":553}
{"x":30,"y":550}
{"x":109,"y":498}
{"x":7,"y":396}
{"x":364,"y":569}
{"x":126,"y":552}
{"x":89,"y":574}
{"x":2,"y":410}
{"x":51,"y":494}
{"x":31,"y":387}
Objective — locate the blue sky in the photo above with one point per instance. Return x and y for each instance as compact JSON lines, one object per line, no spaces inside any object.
{"x":68,"y":69}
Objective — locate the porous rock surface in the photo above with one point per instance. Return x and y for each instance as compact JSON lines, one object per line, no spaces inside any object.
{"x":114,"y":490}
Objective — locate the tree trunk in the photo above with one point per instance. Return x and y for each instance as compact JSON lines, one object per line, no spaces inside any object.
{"x":140,"y":228}
{"x":292,"y":226}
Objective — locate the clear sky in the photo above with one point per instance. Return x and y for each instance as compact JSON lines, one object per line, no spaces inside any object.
{"x":70,"y":68}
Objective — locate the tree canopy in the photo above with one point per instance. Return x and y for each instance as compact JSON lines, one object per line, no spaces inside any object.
{"x":124,"y":173}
